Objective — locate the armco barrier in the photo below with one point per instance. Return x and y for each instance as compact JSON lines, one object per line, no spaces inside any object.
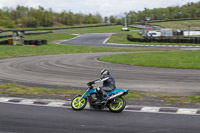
{"x":164,"y":40}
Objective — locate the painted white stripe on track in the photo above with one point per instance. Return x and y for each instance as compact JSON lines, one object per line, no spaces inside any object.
{"x":150,"y":109}
{"x":67,"y":104}
{"x":187,"y":111}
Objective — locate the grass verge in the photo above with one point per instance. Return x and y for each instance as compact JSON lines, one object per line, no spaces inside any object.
{"x":50,"y":49}
{"x":19,"y":90}
{"x":194,"y":24}
{"x":59,"y":27}
{"x":121,"y":38}
{"x":103,"y":29}
{"x":175,"y":59}
{"x":16,"y":51}
{"x":12,"y":89}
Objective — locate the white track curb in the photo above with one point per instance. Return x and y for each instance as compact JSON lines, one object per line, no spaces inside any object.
{"x":129,"y":108}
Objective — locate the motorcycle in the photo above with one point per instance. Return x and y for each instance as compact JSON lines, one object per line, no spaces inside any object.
{"x":115,"y":102}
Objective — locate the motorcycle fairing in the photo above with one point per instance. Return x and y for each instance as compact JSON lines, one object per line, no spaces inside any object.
{"x":117,"y":91}
{"x":92,"y":91}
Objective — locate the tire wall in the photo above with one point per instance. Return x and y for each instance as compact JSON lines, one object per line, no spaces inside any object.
{"x":164,"y":40}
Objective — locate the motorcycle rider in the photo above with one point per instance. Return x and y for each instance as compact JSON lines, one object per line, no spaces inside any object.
{"x":108,"y":83}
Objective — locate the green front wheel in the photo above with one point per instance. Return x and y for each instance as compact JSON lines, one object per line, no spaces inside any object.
{"x":78,"y":103}
{"x":117,"y":105}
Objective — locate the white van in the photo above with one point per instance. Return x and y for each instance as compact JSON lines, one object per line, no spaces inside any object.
{"x":124,"y":29}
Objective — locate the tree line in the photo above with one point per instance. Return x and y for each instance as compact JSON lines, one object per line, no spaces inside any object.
{"x":189,"y":10}
{"x":22,"y":16}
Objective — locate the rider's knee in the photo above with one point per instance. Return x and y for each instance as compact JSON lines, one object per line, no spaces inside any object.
{"x":98,"y":89}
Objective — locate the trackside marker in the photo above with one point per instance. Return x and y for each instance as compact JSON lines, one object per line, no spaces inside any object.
{"x":129,"y":108}
{"x":187,"y":111}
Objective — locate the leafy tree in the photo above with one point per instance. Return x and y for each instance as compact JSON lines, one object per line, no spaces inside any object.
{"x":7,"y":23}
{"x":28,"y":21}
{"x":113,"y":19}
{"x":119,"y":21}
{"x":70,"y":19}
{"x":132,"y":17}
{"x":78,"y":18}
{"x":106,"y":20}
{"x":189,"y":10}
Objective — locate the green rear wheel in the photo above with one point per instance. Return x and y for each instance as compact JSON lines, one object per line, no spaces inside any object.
{"x":117,"y":105}
{"x":78,"y":104}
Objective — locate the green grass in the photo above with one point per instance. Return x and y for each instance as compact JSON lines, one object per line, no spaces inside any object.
{"x":50,"y":49}
{"x":157,"y":43}
{"x":194,"y":24}
{"x":65,"y":34}
{"x":103,"y":29}
{"x":121,"y":38}
{"x":118,"y":37}
{"x":50,"y":37}
{"x":137,"y":95}
{"x":39,"y":28}
{"x":18,"y":90}
{"x":180,"y":59}
{"x":13,"y":89}
{"x":7,"y":51}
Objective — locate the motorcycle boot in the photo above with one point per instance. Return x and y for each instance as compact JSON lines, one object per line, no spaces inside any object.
{"x":103,"y":93}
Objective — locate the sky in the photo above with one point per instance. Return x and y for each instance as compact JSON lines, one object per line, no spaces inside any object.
{"x":103,"y":7}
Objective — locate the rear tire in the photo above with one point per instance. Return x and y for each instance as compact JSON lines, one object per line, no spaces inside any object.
{"x":78,"y":105}
{"x":117,"y":105}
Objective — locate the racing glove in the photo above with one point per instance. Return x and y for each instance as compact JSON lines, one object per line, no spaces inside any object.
{"x":90,"y":83}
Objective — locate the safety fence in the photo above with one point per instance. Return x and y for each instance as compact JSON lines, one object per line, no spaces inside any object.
{"x":164,"y":40}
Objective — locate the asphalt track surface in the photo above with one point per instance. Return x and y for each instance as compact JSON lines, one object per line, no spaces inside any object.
{"x":89,"y":39}
{"x":99,"y":39}
{"x":36,"y":119}
{"x":75,"y":70}
{"x":71,"y":71}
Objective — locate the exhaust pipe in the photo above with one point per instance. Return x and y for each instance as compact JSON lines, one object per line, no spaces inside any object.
{"x":116,"y":95}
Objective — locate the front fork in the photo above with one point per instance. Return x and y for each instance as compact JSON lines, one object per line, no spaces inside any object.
{"x":82,"y":96}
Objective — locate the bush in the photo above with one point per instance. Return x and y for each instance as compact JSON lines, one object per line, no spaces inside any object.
{"x":7,"y":23}
{"x":29,"y":21}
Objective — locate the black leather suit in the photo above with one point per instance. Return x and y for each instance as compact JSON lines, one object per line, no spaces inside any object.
{"x":108,"y":84}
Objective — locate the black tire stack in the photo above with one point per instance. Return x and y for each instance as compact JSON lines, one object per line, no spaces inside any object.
{"x":27,"y":42}
{"x":3,"y":42}
{"x":164,"y":40}
{"x":35,"y":42}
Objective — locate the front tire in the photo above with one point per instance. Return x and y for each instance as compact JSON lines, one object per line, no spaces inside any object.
{"x":117,"y":105}
{"x":78,"y":105}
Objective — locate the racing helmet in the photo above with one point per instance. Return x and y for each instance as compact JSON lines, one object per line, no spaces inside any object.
{"x":105,"y":72}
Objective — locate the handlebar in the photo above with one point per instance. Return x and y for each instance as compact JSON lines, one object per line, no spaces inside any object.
{"x":90,"y":86}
